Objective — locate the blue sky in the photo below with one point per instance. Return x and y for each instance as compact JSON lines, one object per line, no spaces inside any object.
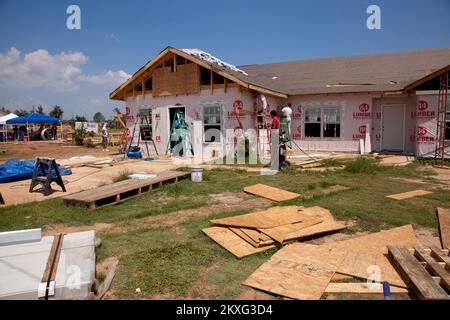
{"x":41,"y":61}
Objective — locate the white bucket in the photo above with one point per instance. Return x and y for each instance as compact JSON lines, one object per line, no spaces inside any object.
{"x":196,"y":174}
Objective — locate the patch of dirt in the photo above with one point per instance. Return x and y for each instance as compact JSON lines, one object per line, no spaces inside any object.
{"x":103,"y":266}
{"x":428,"y":237}
{"x":417,"y":181}
{"x":169,"y":219}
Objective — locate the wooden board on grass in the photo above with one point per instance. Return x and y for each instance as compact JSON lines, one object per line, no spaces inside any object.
{"x":416,"y":275}
{"x":302,"y":231}
{"x":408,"y":195}
{"x":298,"y":271}
{"x":444,"y":227}
{"x":269,"y":218}
{"x":368,"y":254}
{"x":361,"y":288}
{"x":271,"y":193}
{"x":254,"y":243}
{"x":232,"y":242}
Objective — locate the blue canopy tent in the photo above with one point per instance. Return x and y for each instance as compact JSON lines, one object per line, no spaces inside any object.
{"x":33,"y":118}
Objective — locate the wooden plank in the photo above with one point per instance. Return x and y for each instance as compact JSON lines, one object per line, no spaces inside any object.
{"x":112,"y":190}
{"x":408,"y":195}
{"x":441,"y":255}
{"x":327,"y":225}
{"x":434,"y":267}
{"x":290,"y":231}
{"x":232,"y":242}
{"x":53,"y":258}
{"x":269,"y":218}
{"x":444,"y":227}
{"x":361,"y":288}
{"x":415,"y":274}
{"x":271,"y":193}
{"x":298,"y":271}
{"x":369,"y":252}
{"x":256,"y":244}
{"x":256,"y":235}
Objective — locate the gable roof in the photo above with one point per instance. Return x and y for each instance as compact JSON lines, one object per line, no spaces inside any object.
{"x":368,"y":73}
{"x":388,"y":72}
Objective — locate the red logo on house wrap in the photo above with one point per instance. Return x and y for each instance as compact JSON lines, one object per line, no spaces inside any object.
{"x":158,"y":116}
{"x":363,"y":112}
{"x":422,"y":137}
{"x":298,"y":134}
{"x":361,"y":133}
{"x":423,"y":105}
{"x":297,"y":113}
{"x":421,"y":131}
{"x":127,"y":110}
{"x":423,"y":112}
{"x":238,"y":104}
{"x":127,"y":132}
{"x":158,"y":138}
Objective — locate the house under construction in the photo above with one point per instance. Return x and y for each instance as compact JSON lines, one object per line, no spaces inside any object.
{"x":393,"y":102}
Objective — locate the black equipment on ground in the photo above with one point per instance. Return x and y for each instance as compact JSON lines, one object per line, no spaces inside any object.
{"x":50,"y":173}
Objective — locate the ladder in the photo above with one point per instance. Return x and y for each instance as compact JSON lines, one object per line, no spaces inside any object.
{"x":141,"y":121}
{"x":181,"y":130}
{"x":442,"y":119}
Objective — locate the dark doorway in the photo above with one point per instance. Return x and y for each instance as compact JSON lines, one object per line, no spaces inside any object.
{"x":175,"y":138}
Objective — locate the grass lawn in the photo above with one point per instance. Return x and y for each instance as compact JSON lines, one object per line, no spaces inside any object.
{"x":176,"y":260}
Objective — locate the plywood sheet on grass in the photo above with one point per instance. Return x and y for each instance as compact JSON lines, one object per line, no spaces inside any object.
{"x":369,"y":252}
{"x":408,"y":195}
{"x":232,"y":242}
{"x":444,"y":227}
{"x":327,"y":225}
{"x":254,"y":243}
{"x":274,"y":194}
{"x":269,"y":218}
{"x":290,"y":231}
{"x":298,"y":271}
{"x":360,"y":288}
{"x":257,"y":236}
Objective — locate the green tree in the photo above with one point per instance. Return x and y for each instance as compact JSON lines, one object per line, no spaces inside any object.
{"x":21,"y":112}
{"x":56,"y":112}
{"x":40,"y":109}
{"x":99,"y":117}
{"x":80,"y":119}
{"x":4,"y":110}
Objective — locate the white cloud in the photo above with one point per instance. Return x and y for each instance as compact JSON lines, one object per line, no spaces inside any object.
{"x":109,"y":77}
{"x":61,"y":72}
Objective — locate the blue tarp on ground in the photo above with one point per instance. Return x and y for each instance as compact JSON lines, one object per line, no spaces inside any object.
{"x":16,"y":170}
{"x":33,"y":118}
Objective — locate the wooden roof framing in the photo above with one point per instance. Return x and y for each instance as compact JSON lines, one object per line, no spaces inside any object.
{"x":120,"y":92}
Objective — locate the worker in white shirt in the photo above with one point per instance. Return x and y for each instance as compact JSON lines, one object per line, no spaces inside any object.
{"x":287,"y":114}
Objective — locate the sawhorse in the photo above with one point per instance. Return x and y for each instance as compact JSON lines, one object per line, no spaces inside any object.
{"x":47,"y":166}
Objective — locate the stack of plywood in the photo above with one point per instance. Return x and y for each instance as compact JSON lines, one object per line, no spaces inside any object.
{"x":304,"y":271}
{"x":248,"y":234}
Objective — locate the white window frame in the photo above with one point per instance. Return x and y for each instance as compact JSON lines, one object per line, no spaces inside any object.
{"x":206,"y":125}
{"x":322,"y":122}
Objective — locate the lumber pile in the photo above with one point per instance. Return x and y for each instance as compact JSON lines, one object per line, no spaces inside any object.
{"x":251,"y":233}
{"x":304,"y":271}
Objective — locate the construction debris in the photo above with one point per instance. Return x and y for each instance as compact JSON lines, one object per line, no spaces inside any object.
{"x":298,"y":271}
{"x":408,"y":195}
{"x":426,"y":282}
{"x":258,"y":231}
{"x":271,"y":193}
{"x":364,"y":252}
{"x":444,"y":227}
{"x":303,"y":271}
{"x":360,"y":288}
{"x":29,"y":262}
{"x":122,"y":191}
{"x":232,"y":242}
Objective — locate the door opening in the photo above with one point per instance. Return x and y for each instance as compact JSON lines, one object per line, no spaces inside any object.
{"x":393,"y":127}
